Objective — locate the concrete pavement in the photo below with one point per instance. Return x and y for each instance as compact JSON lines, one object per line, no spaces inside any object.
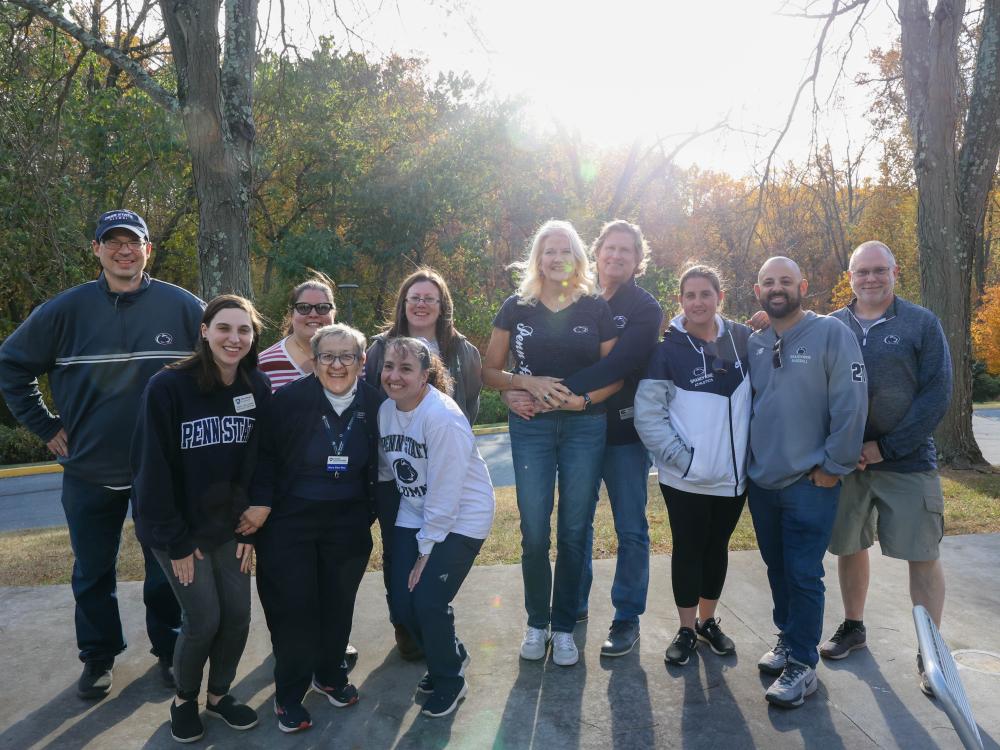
{"x":870,"y":700}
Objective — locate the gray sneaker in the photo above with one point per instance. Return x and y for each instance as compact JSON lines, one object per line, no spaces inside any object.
{"x":535,"y":643}
{"x":844,"y":641}
{"x":795,"y":683}
{"x":773,"y":662}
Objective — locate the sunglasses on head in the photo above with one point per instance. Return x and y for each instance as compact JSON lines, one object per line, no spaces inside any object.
{"x":718,"y":363}
{"x":304,"y":308}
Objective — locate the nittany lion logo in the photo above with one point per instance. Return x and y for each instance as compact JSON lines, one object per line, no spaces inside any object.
{"x":164,"y":339}
{"x":620,"y":321}
{"x":404,"y":471}
{"x":801,"y":350}
{"x":891,"y":339}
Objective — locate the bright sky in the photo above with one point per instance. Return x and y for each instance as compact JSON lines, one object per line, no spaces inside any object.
{"x":620,"y":70}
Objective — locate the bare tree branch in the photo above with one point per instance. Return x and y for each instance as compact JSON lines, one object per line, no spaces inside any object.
{"x":135,"y":71}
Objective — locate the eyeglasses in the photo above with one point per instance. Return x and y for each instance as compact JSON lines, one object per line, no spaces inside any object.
{"x":304,"y":308}
{"x":776,"y":355}
{"x":116,"y":245}
{"x":416,"y":300}
{"x":864,"y":273}
{"x":328,"y":358}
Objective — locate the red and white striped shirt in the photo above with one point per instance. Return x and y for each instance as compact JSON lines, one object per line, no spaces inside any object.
{"x":279,"y":366}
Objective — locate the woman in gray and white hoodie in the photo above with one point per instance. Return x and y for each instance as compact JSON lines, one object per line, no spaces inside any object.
{"x":445,"y":510}
{"x":692,"y":411}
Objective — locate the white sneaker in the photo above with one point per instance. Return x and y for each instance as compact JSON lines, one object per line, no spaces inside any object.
{"x":535,"y":643}
{"x":564,"y":652}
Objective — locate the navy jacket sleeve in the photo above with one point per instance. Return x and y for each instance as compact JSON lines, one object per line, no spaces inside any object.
{"x":931,"y":402}
{"x":27,"y":353}
{"x":631,"y":352}
{"x":154,"y":452}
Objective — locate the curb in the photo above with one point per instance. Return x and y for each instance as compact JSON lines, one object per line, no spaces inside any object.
{"x":53,"y":468}
{"x":30,"y":470}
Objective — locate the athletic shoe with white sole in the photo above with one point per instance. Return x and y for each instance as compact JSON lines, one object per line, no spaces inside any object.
{"x":797,"y":681}
{"x":535,"y":643}
{"x":564,"y":651}
{"x":442,"y":702}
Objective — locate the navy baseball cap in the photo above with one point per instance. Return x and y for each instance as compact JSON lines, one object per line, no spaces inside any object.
{"x":121,"y":218}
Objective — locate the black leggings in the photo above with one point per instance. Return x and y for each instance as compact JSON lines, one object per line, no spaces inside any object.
{"x":700,"y":526}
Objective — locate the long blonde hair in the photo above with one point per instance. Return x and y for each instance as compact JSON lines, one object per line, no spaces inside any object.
{"x":581,"y":283}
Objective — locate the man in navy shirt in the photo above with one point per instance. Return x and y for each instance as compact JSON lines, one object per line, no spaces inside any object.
{"x":620,"y":252}
{"x":99,"y":343}
{"x":896,"y":489}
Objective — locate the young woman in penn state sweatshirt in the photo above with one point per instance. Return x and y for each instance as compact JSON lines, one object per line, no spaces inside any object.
{"x":692,"y":411}
{"x":445,"y":510}
{"x":190,"y":463}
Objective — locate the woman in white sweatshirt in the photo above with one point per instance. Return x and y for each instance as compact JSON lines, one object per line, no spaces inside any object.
{"x":445,"y":510}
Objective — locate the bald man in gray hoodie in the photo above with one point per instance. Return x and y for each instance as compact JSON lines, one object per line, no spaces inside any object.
{"x":810,"y":401}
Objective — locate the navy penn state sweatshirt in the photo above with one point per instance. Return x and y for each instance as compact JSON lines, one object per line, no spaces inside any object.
{"x":191,"y":460}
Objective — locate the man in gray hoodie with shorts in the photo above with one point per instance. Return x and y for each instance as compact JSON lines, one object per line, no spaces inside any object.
{"x":809,"y":405}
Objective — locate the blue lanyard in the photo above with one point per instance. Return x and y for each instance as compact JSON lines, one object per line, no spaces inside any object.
{"x":341,"y":442}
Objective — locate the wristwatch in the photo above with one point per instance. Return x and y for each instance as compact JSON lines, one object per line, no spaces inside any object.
{"x":587,"y":403}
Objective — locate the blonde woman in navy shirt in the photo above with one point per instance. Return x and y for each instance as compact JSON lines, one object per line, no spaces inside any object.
{"x":553,"y":326}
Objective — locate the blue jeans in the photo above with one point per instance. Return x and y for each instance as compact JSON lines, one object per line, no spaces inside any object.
{"x":570,"y":446}
{"x":625,"y":473}
{"x":793,"y":528}
{"x":95,"y":516}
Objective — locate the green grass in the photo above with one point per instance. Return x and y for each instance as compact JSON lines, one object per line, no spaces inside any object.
{"x":37,"y":557}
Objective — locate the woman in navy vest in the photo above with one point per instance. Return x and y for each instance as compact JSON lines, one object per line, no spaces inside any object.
{"x":314,"y":492}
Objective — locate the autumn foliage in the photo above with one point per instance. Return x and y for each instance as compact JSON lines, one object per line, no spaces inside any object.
{"x":986,"y":330}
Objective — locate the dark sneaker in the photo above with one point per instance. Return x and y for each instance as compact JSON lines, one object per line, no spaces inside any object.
{"x":426,"y":684}
{"x":925,"y":685}
{"x":684,"y":644}
{"x":166,"y":667}
{"x":773,"y":662}
{"x":185,"y":723}
{"x":409,"y":649}
{"x":95,"y":682}
{"x":442,"y":703}
{"x":795,"y":683}
{"x":710,"y":632}
{"x":847,"y":639}
{"x":292,"y":718}
{"x":622,"y":636}
{"x":340,"y":697}
{"x":235,"y":714}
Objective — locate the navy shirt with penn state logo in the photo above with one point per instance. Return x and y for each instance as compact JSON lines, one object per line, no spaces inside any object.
{"x":190,"y":459}
{"x":555,"y":344}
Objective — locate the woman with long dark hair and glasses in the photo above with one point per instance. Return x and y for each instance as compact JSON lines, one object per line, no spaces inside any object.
{"x":424,"y":310}
{"x":191,"y":464}
{"x":692,"y":411}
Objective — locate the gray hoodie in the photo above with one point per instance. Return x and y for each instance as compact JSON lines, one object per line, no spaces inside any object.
{"x":810,"y":412}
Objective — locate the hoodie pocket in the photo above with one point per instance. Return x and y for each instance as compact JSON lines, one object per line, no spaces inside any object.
{"x":710,"y":465}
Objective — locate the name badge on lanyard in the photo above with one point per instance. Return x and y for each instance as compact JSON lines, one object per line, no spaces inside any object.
{"x":338,"y":462}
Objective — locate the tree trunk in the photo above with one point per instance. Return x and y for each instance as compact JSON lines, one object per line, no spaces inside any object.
{"x":215,"y":105}
{"x":952,"y":184}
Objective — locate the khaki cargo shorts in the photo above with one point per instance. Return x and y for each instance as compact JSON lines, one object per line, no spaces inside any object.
{"x":907,"y":510}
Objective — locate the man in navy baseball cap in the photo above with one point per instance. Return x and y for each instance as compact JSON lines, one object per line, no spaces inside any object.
{"x":99,"y":343}
{"x":121,"y":218}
